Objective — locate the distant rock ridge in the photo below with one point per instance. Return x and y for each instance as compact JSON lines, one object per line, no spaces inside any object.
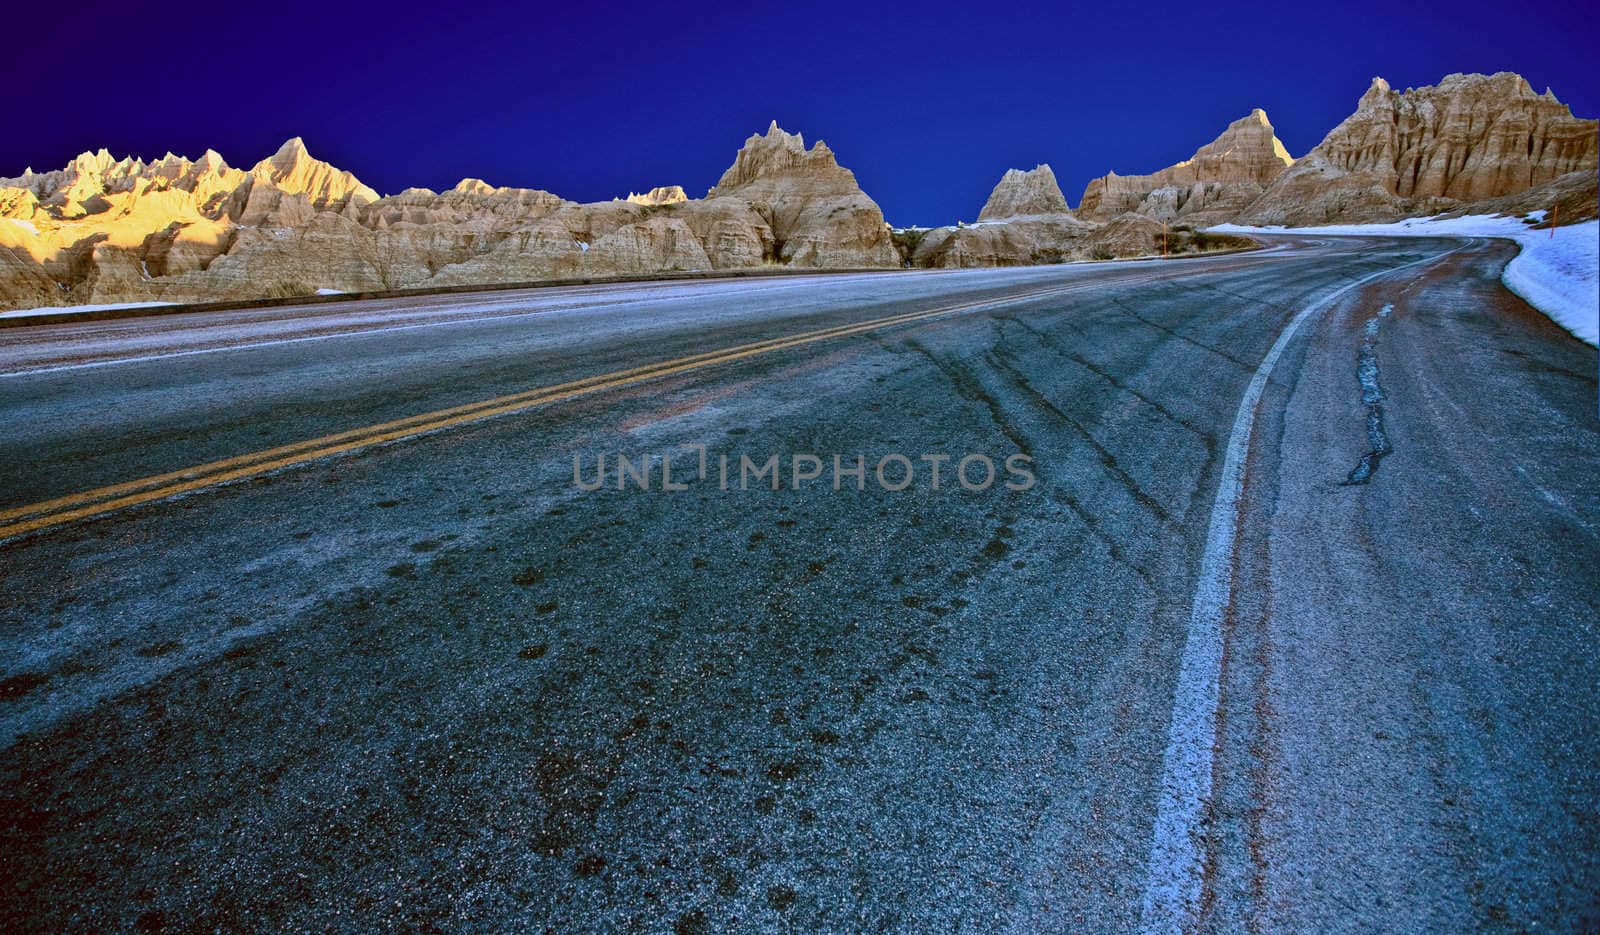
{"x":103,"y":229}
{"x":1471,"y":144}
{"x":1428,"y":149}
{"x":777,"y":153}
{"x":292,"y":169}
{"x":1222,"y":177}
{"x":248,"y":197}
{"x":109,"y":230}
{"x":660,"y":195}
{"x":289,"y":187}
{"x":1021,"y":194}
{"x":471,"y":200}
{"x":816,"y":212}
{"x":1036,"y":239}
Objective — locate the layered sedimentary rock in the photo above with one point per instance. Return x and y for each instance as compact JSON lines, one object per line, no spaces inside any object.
{"x":472,"y":200}
{"x":1023,"y":194}
{"x":661,"y":195}
{"x":1425,"y":150}
{"x":1026,"y":240}
{"x":108,"y":230}
{"x":817,"y":213}
{"x":290,"y":187}
{"x":1026,"y":220}
{"x":1039,"y":239}
{"x":23,"y":280}
{"x":1223,"y":177}
{"x":1565,"y":199}
{"x":103,"y":229}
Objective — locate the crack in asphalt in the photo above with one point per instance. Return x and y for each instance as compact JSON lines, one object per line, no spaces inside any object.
{"x":1001,"y":361}
{"x":1125,"y":309}
{"x":1051,"y":343}
{"x":968,"y":387}
{"x":1091,"y":522}
{"x":1372,"y":397}
{"x":1253,"y":300}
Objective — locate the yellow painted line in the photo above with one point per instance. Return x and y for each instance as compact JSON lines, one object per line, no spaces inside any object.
{"x":22,"y":520}
{"x":268,"y":454}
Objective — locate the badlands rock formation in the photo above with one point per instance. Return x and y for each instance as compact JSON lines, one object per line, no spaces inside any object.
{"x":1019,"y":241}
{"x":1223,"y":177}
{"x":1473,"y":144}
{"x":1566,"y":199}
{"x":1022,"y":194}
{"x":1041,"y":239}
{"x":1026,"y":222}
{"x":662,"y":195}
{"x":1426,"y":150}
{"x":817,"y":213}
{"x":289,"y":187}
{"x":104,"y":230}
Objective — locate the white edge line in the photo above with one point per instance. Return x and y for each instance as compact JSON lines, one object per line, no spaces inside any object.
{"x":1177,"y":847}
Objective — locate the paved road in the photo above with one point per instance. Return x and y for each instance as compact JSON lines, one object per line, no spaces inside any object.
{"x":1295,"y":630}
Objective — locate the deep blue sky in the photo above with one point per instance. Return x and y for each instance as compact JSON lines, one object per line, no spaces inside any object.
{"x":928,"y":102}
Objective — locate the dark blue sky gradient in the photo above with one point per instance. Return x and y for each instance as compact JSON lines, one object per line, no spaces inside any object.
{"x":928,"y":102}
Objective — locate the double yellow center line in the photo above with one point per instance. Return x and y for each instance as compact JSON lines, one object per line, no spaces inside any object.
{"x":22,"y":520}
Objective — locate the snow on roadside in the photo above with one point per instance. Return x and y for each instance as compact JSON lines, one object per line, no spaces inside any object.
{"x":1557,"y":276}
{"x":75,"y":309}
{"x":81,"y":309}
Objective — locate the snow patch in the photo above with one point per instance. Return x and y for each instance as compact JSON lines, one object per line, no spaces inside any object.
{"x":76,"y":309}
{"x":1559,"y":276}
{"x":330,"y":292}
{"x":25,"y":225}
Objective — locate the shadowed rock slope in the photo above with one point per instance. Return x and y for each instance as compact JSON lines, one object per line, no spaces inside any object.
{"x":1024,"y":194}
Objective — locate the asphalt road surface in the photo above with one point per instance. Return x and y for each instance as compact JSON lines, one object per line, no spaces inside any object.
{"x":305,"y":624}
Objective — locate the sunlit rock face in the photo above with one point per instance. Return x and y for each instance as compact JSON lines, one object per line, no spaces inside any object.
{"x":290,"y":187}
{"x":1023,"y":194}
{"x":1223,"y":177}
{"x":107,"y":230}
{"x":661,"y":195}
{"x":817,"y":214}
{"x":1430,"y":149}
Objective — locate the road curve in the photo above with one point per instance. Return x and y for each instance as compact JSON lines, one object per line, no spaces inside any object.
{"x":389,"y":667}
